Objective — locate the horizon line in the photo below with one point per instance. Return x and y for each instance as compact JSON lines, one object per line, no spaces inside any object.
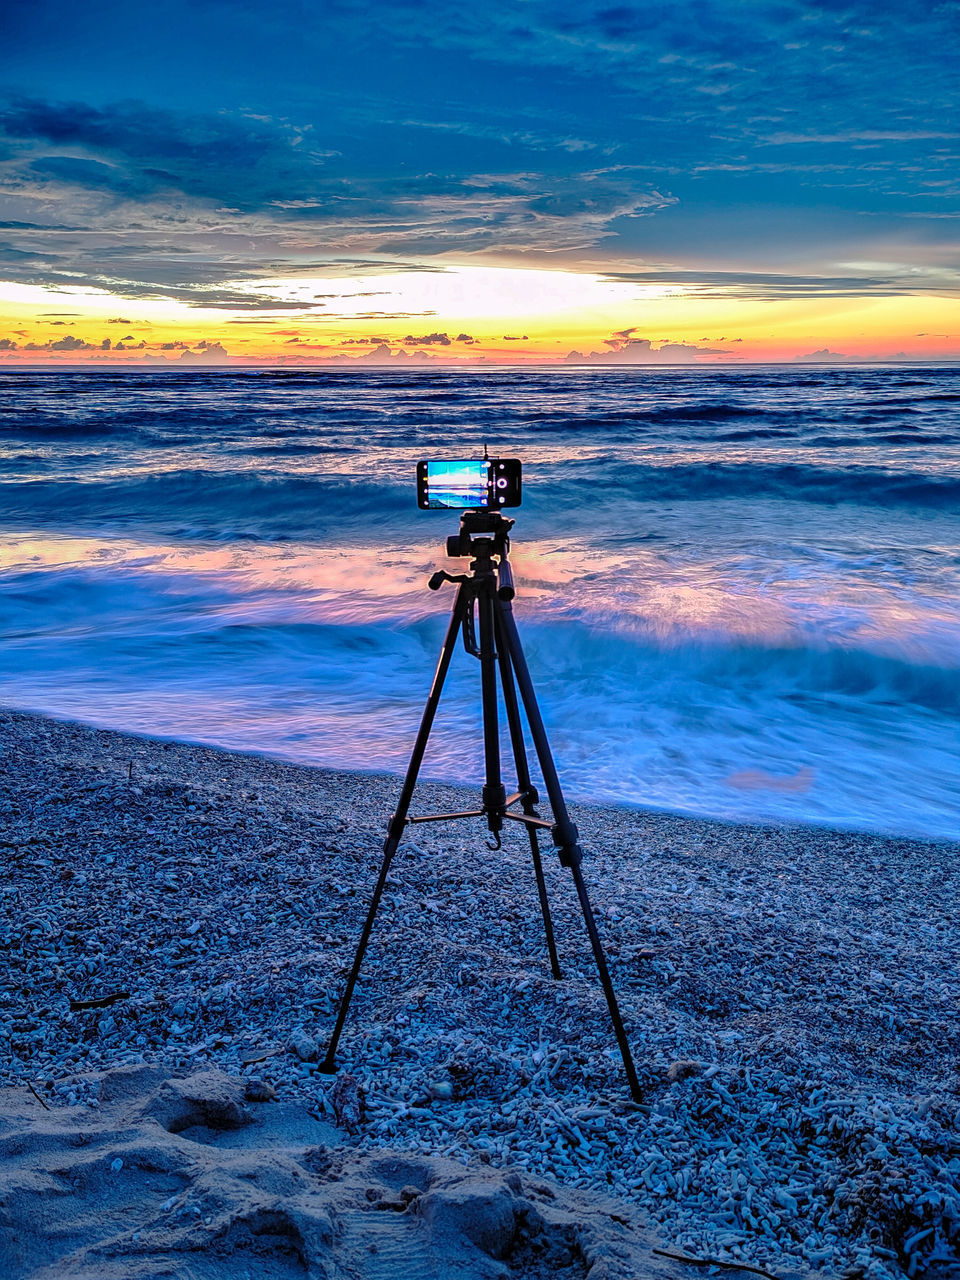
{"x":104,"y":366}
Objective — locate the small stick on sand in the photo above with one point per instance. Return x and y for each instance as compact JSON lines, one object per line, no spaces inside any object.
{"x":251,"y":1058}
{"x":714,"y":1262}
{"x":99,"y":1002}
{"x":37,"y":1096}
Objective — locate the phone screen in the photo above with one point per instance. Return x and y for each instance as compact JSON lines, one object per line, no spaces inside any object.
{"x":468,"y":482}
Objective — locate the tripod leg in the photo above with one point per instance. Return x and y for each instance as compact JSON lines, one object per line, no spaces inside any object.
{"x":397,"y":822}
{"x":564,"y":831}
{"x":525,"y":788}
{"x":494,"y":795}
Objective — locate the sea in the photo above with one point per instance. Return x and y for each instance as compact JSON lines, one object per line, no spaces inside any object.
{"x":738,"y":588}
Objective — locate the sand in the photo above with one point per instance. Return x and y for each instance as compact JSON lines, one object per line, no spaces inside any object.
{"x":174,"y":912}
{"x":188,"y":1178}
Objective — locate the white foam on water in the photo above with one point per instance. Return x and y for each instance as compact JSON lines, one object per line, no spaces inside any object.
{"x":661,"y":681}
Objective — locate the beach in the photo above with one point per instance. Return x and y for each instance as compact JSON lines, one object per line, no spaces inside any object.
{"x":789,"y":993}
{"x":580,"y":384}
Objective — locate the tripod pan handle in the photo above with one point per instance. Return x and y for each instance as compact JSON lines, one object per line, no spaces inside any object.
{"x":505,"y":587}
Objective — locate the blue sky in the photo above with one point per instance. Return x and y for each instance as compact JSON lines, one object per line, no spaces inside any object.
{"x":766,"y":150}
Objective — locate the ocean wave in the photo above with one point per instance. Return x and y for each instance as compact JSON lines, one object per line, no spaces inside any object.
{"x":209,"y":504}
{"x":282,"y":505}
{"x":838,"y":442}
{"x":757,"y":433}
{"x":798,"y":673}
{"x":602,"y":646}
{"x":25,"y":428}
{"x":711,"y":412}
{"x":902,"y":437}
{"x":651,"y":415}
{"x":291,"y":449}
{"x":785,"y":481}
{"x":670,"y":722}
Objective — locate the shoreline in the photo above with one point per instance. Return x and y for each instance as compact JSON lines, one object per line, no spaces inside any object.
{"x":788,"y":991}
{"x":380,"y":780}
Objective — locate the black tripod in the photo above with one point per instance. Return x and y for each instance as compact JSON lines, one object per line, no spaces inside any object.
{"x":488,"y":590}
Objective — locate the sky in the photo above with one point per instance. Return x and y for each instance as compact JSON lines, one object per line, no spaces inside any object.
{"x":232,"y":181}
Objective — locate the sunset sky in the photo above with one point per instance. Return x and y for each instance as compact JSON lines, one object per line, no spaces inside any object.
{"x":232,"y":181}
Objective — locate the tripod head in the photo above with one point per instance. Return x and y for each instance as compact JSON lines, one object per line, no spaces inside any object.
{"x":478,"y":528}
{"x":483,"y":535}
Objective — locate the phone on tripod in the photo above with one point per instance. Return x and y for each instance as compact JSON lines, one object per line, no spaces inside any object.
{"x":467,"y":483}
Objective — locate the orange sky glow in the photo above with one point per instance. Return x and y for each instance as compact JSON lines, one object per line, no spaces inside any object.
{"x":470,"y":314}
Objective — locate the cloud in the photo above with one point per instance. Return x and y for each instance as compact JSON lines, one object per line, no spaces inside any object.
{"x":775,"y":287}
{"x":379,"y":315}
{"x":642,"y":351}
{"x":255,"y":164}
{"x":7,"y":344}
{"x":860,"y":135}
{"x":427,"y":340}
{"x":206,"y":353}
{"x":824,"y":355}
{"x":67,"y":343}
{"x":464,"y":337}
{"x":35,"y":226}
{"x":221,"y":201}
{"x":376,"y":266}
{"x":513,"y":337}
{"x":201,"y":281}
{"x":14,"y":258}
{"x":578,"y":135}
{"x":136,"y":151}
{"x":381,"y":354}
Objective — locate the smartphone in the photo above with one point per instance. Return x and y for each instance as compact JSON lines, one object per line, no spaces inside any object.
{"x":468,"y":482}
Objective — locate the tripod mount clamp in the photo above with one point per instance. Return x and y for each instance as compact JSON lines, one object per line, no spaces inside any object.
{"x":566,"y":840}
{"x":477,"y":527}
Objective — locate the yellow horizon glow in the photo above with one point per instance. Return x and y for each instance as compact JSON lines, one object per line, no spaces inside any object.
{"x":514,"y":315}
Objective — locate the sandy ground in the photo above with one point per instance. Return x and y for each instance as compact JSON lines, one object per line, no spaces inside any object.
{"x":190,"y":1178}
{"x":169,"y":910}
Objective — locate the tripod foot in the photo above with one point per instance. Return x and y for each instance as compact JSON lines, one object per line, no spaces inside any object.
{"x":328,"y":1066}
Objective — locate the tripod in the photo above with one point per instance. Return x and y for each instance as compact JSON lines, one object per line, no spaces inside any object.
{"x":487,"y":591}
